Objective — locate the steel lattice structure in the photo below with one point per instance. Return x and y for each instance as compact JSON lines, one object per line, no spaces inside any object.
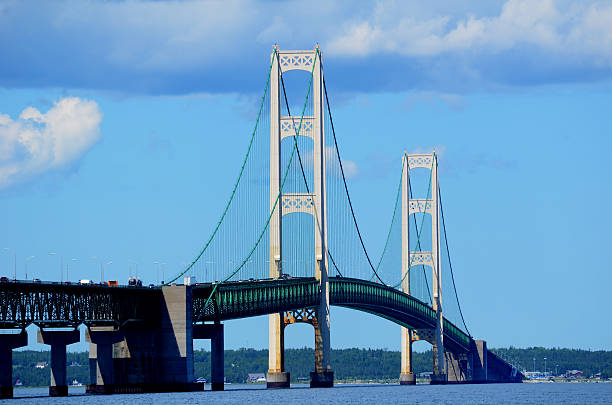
{"x":245,"y":299}
{"x":56,"y":304}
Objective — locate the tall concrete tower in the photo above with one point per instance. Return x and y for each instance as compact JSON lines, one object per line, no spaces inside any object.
{"x":314,"y":204}
{"x":411,"y":259}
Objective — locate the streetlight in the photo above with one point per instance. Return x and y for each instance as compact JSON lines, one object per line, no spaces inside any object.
{"x":14,"y":261}
{"x":101,"y":266}
{"x":545,"y":366}
{"x":26,"y":265}
{"x":61,"y":264}
{"x":135,"y":264}
{"x":68,"y":266}
{"x":534,"y":364}
{"x":110,"y":262}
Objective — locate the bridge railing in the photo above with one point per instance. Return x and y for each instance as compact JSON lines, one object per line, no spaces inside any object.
{"x":459,"y":336}
{"x":350,"y":290}
{"x":61,"y":304}
{"x":250,"y":298}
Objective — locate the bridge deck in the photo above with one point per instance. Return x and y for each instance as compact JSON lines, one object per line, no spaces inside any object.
{"x":55,"y":304}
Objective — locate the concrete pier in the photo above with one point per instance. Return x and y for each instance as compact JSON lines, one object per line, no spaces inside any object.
{"x":479,"y":354}
{"x":134,"y":358}
{"x":459,"y":367}
{"x":277,"y":376}
{"x":175,"y":339}
{"x":407,"y":379}
{"x":153,"y":356}
{"x":58,"y":340}
{"x":8,"y":342}
{"x":215,"y":334}
{"x":323,"y":379}
{"x":101,"y":368}
{"x":323,"y":376}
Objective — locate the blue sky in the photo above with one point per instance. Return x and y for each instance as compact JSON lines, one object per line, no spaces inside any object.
{"x":112,"y":114}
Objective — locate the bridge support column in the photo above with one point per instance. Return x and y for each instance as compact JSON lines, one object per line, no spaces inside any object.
{"x":175,"y":354}
{"x":101,"y":368}
{"x":458,"y":368}
{"x":8,"y":342}
{"x":407,"y":376}
{"x":322,"y":377}
{"x":58,"y":340}
{"x":479,"y":355}
{"x":215,"y":334}
{"x":439,"y":375}
{"x":134,"y":359}
{"x":277,"y":377}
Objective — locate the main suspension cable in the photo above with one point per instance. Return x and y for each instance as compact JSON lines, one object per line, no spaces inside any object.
{"x":302,"y":166}
{"x":331,"y":120}
{"x":450,"y":265}
{"x":416,"y":229}
{"x":232,"y":195}
{"x":276,"y":201}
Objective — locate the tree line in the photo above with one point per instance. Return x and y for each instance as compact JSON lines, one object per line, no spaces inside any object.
{"x":347,"y":364}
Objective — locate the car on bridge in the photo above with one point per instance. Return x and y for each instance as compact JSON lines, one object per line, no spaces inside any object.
{"x":134,"y":282}
{"x":4,"y":280}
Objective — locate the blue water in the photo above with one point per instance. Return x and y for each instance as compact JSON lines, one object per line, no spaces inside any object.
{"x":557,"y":393}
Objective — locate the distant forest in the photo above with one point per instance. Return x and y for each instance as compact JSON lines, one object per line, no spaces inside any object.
{"x":348,"y":364}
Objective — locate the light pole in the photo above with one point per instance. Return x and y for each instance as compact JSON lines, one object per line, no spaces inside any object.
{"x":545,"y":366}
{"x":162,"y":270}
{"x":14,"y":261}
{"x":534,"y":364}
{"x":135,"y":265}
{"x":157,"y":270}
{"x":61,"y":264}
{"x":68,"y":266}
{"x":26,"y":265}
{"x":109,"y":263}
{"x":556,"y":370}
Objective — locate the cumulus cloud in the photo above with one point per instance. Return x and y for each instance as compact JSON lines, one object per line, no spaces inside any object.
{"x":166,"y":47}
{"x":37,"y":142}
{"x":350,"y":167}
{"x":583,"y":29}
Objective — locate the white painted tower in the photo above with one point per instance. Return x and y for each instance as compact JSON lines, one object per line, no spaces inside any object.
{"x":313,"y":204}
{"x":412,"y":258}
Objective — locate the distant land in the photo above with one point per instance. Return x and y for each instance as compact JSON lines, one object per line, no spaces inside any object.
{"x":31,"y":367}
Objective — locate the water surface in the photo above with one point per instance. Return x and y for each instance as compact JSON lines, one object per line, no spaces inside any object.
{"x":555,"y":393}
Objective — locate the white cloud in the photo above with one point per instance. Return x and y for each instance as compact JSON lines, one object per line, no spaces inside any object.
{"x":198,"y":46}
{"x":578,"y":30}
{"x":455,"y":102}
{"x":351,"y":169}
{"x":35,"y":143}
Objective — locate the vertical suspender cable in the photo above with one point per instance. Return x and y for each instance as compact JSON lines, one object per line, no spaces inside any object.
{"x":331,"y":121}
{"x":302,"y":166}
{"x":449,"y":262}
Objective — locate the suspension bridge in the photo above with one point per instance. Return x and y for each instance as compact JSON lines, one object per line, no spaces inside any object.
{"x":287,"y":244}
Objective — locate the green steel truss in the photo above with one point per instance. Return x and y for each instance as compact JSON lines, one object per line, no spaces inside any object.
{"x":251,"y":298}
{"x":59,"y":304}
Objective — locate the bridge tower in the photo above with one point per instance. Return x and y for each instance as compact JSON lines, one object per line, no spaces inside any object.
{"x":314,"y":204}
{"x":416,"y":258}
